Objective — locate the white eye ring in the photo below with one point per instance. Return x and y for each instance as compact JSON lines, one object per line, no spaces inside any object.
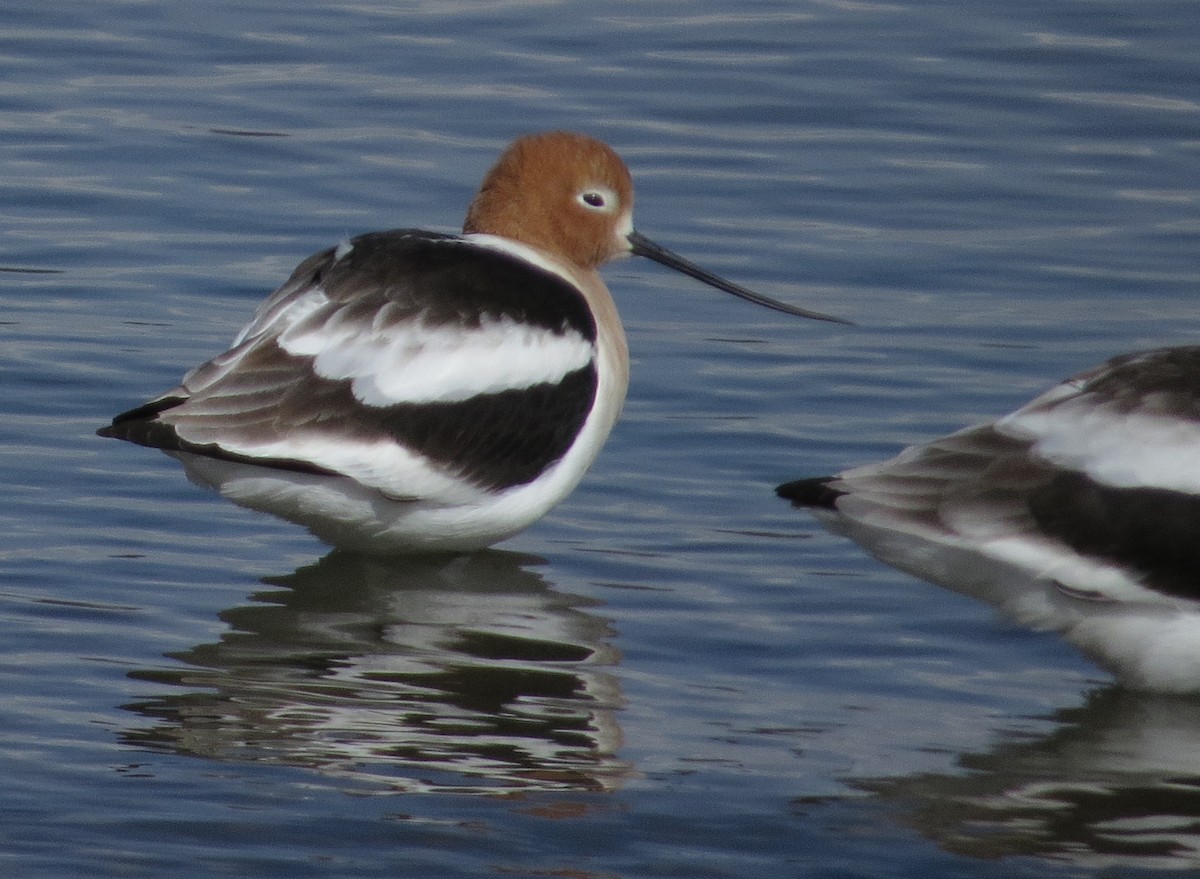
{"x":598,"y":198}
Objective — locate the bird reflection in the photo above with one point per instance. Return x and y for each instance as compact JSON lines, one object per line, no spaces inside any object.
{"x":464,"y":673}
{"x":1116,"y":786}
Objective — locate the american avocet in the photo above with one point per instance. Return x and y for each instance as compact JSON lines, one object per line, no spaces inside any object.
{"x":412,"y":390}
{"x":1078,"y":513}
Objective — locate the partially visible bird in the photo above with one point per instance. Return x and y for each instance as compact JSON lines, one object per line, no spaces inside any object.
{"x":1078,"y":513}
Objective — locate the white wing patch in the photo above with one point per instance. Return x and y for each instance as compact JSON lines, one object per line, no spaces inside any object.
{"x":412,"y":362}
{"x":1120,"y":449}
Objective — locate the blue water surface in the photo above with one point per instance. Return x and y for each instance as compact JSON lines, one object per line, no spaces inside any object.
{"x":673,"y":674}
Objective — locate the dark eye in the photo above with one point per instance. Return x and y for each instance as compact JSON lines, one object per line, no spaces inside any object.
{"x":599,"y":198}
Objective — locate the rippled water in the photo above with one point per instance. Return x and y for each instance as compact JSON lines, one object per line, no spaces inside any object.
{"x":673,"y":674}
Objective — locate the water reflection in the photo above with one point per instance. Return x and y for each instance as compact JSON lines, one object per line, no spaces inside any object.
{"x":467,"y":673}
{"x":1117,"y":785}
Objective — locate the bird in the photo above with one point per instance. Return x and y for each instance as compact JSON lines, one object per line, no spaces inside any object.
{"x":413,"y":391}
{"x":1078,"y":513}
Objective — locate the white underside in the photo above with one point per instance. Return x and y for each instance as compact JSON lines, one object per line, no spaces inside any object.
{"x":347,"y":514}
{"x":1150,"y":645}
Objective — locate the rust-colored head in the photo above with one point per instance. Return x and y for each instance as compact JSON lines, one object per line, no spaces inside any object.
{"x":567,"y":194}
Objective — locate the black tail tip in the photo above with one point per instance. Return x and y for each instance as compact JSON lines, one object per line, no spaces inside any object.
{"x":812,"y":492}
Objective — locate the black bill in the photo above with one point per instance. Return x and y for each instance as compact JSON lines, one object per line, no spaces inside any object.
{"x":640,"y":245}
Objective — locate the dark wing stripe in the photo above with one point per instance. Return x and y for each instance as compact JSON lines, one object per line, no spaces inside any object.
{"x":500,"y":440}
{"x":1154,"y":531}
{"x":497,"y":441}
{"x":448,"y":281}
